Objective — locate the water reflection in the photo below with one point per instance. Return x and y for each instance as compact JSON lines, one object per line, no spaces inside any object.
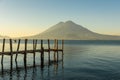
{"x":48,"y":72}
{"x":34,"y":73}
{"x":18,"y":74}
{"x":11,"y":75}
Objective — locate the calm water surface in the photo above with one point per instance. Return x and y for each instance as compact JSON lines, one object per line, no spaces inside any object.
{"x":83,"y":60}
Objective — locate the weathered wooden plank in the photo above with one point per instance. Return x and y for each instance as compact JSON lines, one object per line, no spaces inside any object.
{"x":11,"y":53}
{"x":57,"y":49}
{"x":49,"y":50}
{"x":3,"y":45}
{"x":25,"y":55}
{"x":29,"y":51}
{"x":62,"y":44}
{"x":3,"y":48}
{"x":34,"y":48}
{"x":35,"y":44}
{"x":42,"y":54}
{"x":32,"y":51}
{"x":2,"y":53}
{"x":17,"y":49}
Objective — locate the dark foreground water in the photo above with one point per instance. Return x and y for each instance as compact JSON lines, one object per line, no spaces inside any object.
{"x":83,"y":60}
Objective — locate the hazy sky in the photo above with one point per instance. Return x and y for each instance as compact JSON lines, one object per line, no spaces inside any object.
{"x":28,"y":17}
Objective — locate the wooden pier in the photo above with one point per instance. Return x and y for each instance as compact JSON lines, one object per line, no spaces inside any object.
{"x":33,"y":51}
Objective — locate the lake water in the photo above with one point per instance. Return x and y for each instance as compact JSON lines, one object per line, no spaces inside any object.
{"x":83,"y":60}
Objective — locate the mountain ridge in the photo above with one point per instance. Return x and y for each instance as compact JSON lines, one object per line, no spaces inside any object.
{"x":71,"y":31}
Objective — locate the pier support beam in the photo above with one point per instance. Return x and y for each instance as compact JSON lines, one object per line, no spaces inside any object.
{"x":3,"y":48}
{"x":34,"y":49}
{"x":49,"y":51}
{"x":55,"y":50}
{"x":11,"y":54}
{"x":17,"y":50}
{"x":42,"y":55}
{"x":62,"y":49}
{"x":25,"y":55}
{"x":33,"y":52}
{"x":62,"y":44}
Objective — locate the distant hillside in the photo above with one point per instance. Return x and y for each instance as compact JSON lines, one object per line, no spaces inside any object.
{"x":71,"y":31}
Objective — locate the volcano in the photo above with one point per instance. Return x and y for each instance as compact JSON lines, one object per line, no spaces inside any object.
{"x":71,"y":31}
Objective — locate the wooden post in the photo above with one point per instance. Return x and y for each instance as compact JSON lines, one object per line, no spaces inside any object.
{"x":35,"y":44}
{"x":3,"y":48}
{"x":3,"y":45}
{"x":34,"y":49}
{"x":49,"y":50}
{"x":42,"y":54}
{"x":62,"y":49}
{"x":48,"y":44}
{"x":57,"y":44}
{"x":33,"y":52}
{"x":41,"y":43}
{"x":17,"y":49}
{"x":25,"y":54}
{"x":62,"y":44}
{"x":55,"y":50}
{"x":62,"y":56}
{"x":11,"y":53}
{"x":55,"y":47}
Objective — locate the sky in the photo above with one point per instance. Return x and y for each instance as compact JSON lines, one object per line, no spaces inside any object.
{"x":29,"y":17}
